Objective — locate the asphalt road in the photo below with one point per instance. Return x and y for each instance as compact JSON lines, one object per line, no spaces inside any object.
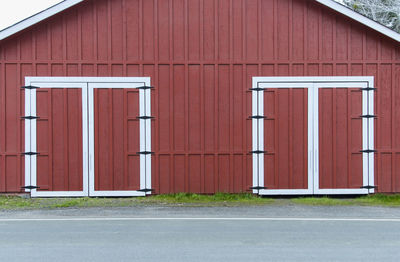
{"x":283,"y":233}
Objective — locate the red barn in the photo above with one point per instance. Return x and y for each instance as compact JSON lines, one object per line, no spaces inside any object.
{"x":133,"y":97}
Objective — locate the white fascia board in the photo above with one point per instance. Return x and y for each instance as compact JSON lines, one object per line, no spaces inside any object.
{"x":360,"y":18}
{"x":37,"y":18}
{"x":68,"y":3}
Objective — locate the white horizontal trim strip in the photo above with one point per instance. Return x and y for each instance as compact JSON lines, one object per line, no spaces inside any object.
{"x":341,"y":191}
{"x":312,"y":79}
{"x":37,"y":18}
{"x":342,"y":85}
{"x":35,"y":193}
{"x":117,"y":85}
{"x":58,"y":85}
{"x":311,"y":219}
{"x":285,"y":192}
{"x":117,"y":193}
{"x":84,"y":79}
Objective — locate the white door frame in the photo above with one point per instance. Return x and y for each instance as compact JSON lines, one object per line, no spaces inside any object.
{"x":145,"y":138}
{"x":313,"y":84}
{"x":32,"y":83}
{"x":31,"y":137}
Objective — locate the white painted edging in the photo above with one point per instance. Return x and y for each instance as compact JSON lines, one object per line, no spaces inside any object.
{"x":360,"y":18}
{"x":312,"y":84}
{"x":88,"y":142}
{"x":31,"y":138}
{"x":9,"y":31}
{"x":145,"y":137}
{"x":37,"y":18}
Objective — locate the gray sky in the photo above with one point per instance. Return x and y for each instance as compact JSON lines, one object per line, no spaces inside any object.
{"x":13,"y":11}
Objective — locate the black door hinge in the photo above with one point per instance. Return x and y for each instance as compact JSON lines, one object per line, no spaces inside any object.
{"x":368,"y":89}
{"x":258,"y":152}
{"x":29,"y":117}
{"x":258,"y":187}
{"x":146,"y":190}
{"x":145,"y":117}
{"x":30,"y":187}
{"x":30,"y":153}
{"x":368,"y":116}
{"x":30,"y":87}
{"x":369,"y":187}
{"x":145,"y":153}
{"x":257,"y":89}
{"x":145,"y":87}
{"x":368,"y":151}
{"x":257,"y":117}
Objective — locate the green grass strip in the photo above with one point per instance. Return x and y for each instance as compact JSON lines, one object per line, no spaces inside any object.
{"x":188,"y":199}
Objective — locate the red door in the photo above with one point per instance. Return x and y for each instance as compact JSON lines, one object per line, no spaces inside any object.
{"x":286,"y":139}
{"x":116,"y":140}
{"x":340,"y":138}
{"x":59,"y":140}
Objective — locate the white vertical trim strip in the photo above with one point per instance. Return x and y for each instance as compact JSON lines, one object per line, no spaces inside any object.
{"x":27,"y":137}
{"x":85,"y":142}
{"x":142,"y":135}
{"x":148,"y":137}
{"x":255,"y":135}
{"x":312,"y":185}
{"x":91,"y":139}
{"x":365,"y":137}
{"x":33,"y":138}
{"x":371,"y":157}
{"x":261,"y":112}
{"x":316,"y":137}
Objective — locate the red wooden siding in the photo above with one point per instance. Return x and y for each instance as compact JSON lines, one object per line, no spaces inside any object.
{"x":340,"y":138}
{"x":116,"y":136}
{"x":200,"y":55}
{"x":286,"y":138}
{"x":59,"y":139}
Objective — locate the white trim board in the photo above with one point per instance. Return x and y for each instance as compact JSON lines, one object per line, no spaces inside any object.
{"x":31,"y":139}
{"x":360,"y":18}
{"x":34,"y":19}
{"x":145,"y":132}
{"x":87,"y":84}
{"x":313,"y":84}
{"x":9,"y":31}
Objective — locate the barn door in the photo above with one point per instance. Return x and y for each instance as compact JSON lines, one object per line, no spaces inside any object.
{"x":87,"y":136}
{"x":342,"y":138}
{"x":55,"y":139}
{"x":313,"y":135}
{"x":280,"y":155}
{"x":119,"y":139}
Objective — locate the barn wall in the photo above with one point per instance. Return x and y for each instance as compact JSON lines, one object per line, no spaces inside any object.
{"x":200,"y":55}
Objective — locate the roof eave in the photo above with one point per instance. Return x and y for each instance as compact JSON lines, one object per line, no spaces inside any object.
{"x":11,"y":30}
{"x":360,"y":18}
